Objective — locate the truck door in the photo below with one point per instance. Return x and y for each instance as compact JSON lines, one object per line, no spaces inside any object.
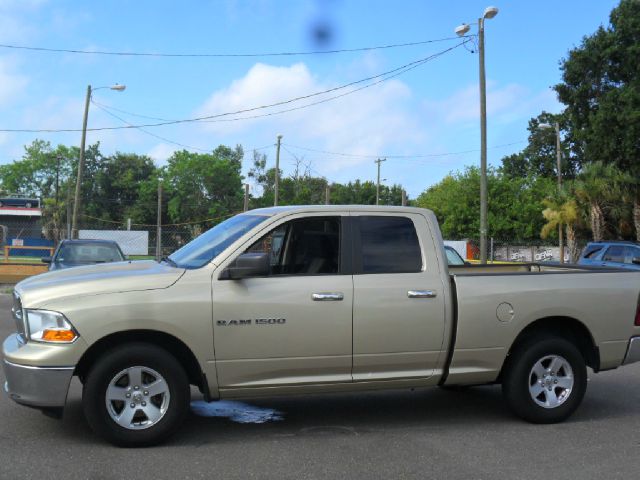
{"x":293,"y":326}
{"x":399,"y":304}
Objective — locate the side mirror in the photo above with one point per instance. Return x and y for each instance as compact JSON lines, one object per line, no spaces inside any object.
{"x":636,"y":260}
{"x":247,"y":265}
{"x":46,"y":259}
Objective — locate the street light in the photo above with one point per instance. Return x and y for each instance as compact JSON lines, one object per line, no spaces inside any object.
{"x":76,"y":202}
{"x":556,"y":127}
{"x":461,"y":30}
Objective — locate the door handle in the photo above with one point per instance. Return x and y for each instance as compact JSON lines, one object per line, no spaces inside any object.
{"x":327,"y":297}
{"x":421,"y":294}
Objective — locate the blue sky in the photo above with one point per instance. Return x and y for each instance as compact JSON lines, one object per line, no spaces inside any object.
{"x":430,"y":110}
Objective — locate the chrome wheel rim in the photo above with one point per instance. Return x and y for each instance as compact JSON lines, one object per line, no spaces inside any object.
{"x":137,"y":398}
{"x":551,"y":381}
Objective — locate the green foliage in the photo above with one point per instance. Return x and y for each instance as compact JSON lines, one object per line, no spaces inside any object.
{"x":539,"y":156}
{"x":558,"y":211}
{"x":204,"y":186}
{"x":118,"y":182}
{"x":601,"y":90}
{"x":35,"y":173}
{"x":514,"y":209}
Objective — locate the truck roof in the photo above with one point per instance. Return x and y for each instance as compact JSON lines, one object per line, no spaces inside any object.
{"x":330,"y":208}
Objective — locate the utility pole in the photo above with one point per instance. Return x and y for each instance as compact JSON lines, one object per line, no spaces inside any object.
{"x":58,"y":158}
{"x":275,"y":197}
{"x":76,"y":202}
{"x":483,"y":145}
{"x":327,"y":195}
{"x":404,"y":198}
{"x":68,"y":210}
{"x":378,"y":161}
{"x":559,"y":170}
{"x":246,"y":197}
{"x":159,"y":223}
{"x":556,"y":127}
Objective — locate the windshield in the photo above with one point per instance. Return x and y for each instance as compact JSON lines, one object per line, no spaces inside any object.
{"x":88,"y":253}
{"x":211,"y":243}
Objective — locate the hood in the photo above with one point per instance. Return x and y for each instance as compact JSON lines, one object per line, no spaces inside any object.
{"x":96,"y":279}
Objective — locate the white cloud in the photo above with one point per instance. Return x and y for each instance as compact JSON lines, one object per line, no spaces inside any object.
{"x":504,"y":104}
{"x":372,"y":120}
{"x":161,"y":152}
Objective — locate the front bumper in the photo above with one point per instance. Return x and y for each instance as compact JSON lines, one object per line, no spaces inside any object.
{"x":41,"y":387}
{"x":633,"y":352}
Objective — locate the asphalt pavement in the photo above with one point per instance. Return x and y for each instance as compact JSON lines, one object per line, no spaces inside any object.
{"x":427,"y":433}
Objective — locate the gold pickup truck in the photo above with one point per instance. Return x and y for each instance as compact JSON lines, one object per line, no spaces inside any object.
{"x":290,"y":300}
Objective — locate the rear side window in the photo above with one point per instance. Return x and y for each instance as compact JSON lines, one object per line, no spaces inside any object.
{"x":631,"y":253}
{"x":386,"y":245}
{"x":591,"y":251}
{"x":614,"y":254}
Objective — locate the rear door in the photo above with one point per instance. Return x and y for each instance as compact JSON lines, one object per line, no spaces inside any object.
{"x":399,"y":298}
{"x":614,"y":256}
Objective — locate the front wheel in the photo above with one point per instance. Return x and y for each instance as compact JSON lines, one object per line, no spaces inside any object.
{"x":545,"y":380}
{"x":136,"y":395}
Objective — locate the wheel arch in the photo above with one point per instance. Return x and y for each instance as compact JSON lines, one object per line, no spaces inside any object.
{"x":168,"y":342}
{"x":568,"y":328}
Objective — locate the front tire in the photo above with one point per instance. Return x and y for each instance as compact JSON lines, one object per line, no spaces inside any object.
{"x":136,"y":395}
{"x":545,"y":380}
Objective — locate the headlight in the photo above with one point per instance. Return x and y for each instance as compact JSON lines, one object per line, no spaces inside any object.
{"x":48,"y":326}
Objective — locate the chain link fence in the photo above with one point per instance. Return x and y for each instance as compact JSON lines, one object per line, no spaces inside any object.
{"x":514,"y":250}
{"x":23,"y":237}
{"x":26,"y":239}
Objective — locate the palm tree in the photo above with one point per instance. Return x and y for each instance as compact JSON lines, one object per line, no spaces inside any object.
{"x":562,"y":210}
{"x":596,"y":186}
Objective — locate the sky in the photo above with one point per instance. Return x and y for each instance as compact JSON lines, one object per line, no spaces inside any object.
{"x":424,"y":120}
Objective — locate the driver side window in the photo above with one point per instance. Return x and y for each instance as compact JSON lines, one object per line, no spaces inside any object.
{"x":308,"y":246}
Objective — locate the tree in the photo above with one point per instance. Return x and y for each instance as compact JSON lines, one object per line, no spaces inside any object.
{"x":539,"y":156}
{"x":118,"y":181}
{"x":601,"y":91}
{"x":597,"y":186}
{"x":562,"y":211}
{"x":204,"y":186}
{"x":35,"y":173}
{"x":515,"y":204}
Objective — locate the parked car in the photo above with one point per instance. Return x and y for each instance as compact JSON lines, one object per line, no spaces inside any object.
{"x":313,"y":299}
{"x":17,"y":200}
{"x":612,"y":254}
{"x":453,"y":257}
{"x":74,"y":253}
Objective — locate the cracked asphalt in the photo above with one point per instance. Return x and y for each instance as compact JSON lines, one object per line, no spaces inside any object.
{"x":427,"y":433}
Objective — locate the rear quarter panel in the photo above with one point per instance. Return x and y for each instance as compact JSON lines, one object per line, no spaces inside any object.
{"x":605,"y":302}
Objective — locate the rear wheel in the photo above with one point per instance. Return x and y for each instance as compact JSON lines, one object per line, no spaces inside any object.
{"x":545,"y":380}
{"x":136,"y":395}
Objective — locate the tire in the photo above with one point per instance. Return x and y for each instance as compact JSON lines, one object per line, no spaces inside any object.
{"x":135,"y":417}
{"x":545,"y":379}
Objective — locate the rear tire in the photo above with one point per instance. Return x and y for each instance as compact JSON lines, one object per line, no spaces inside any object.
{"x":136,"y":395}
{"x":545,"y":379}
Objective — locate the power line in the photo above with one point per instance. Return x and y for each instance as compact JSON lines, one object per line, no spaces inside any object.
{"x":389,"y":74}
{"x":325,"y":100}
{"x":422,"y":155}
{"x":164,"y":139}
{"x":221,"y":55}
{"x":106,"y":110}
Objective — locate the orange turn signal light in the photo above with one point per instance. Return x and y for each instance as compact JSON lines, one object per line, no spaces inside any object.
{"x":59,"y":335}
